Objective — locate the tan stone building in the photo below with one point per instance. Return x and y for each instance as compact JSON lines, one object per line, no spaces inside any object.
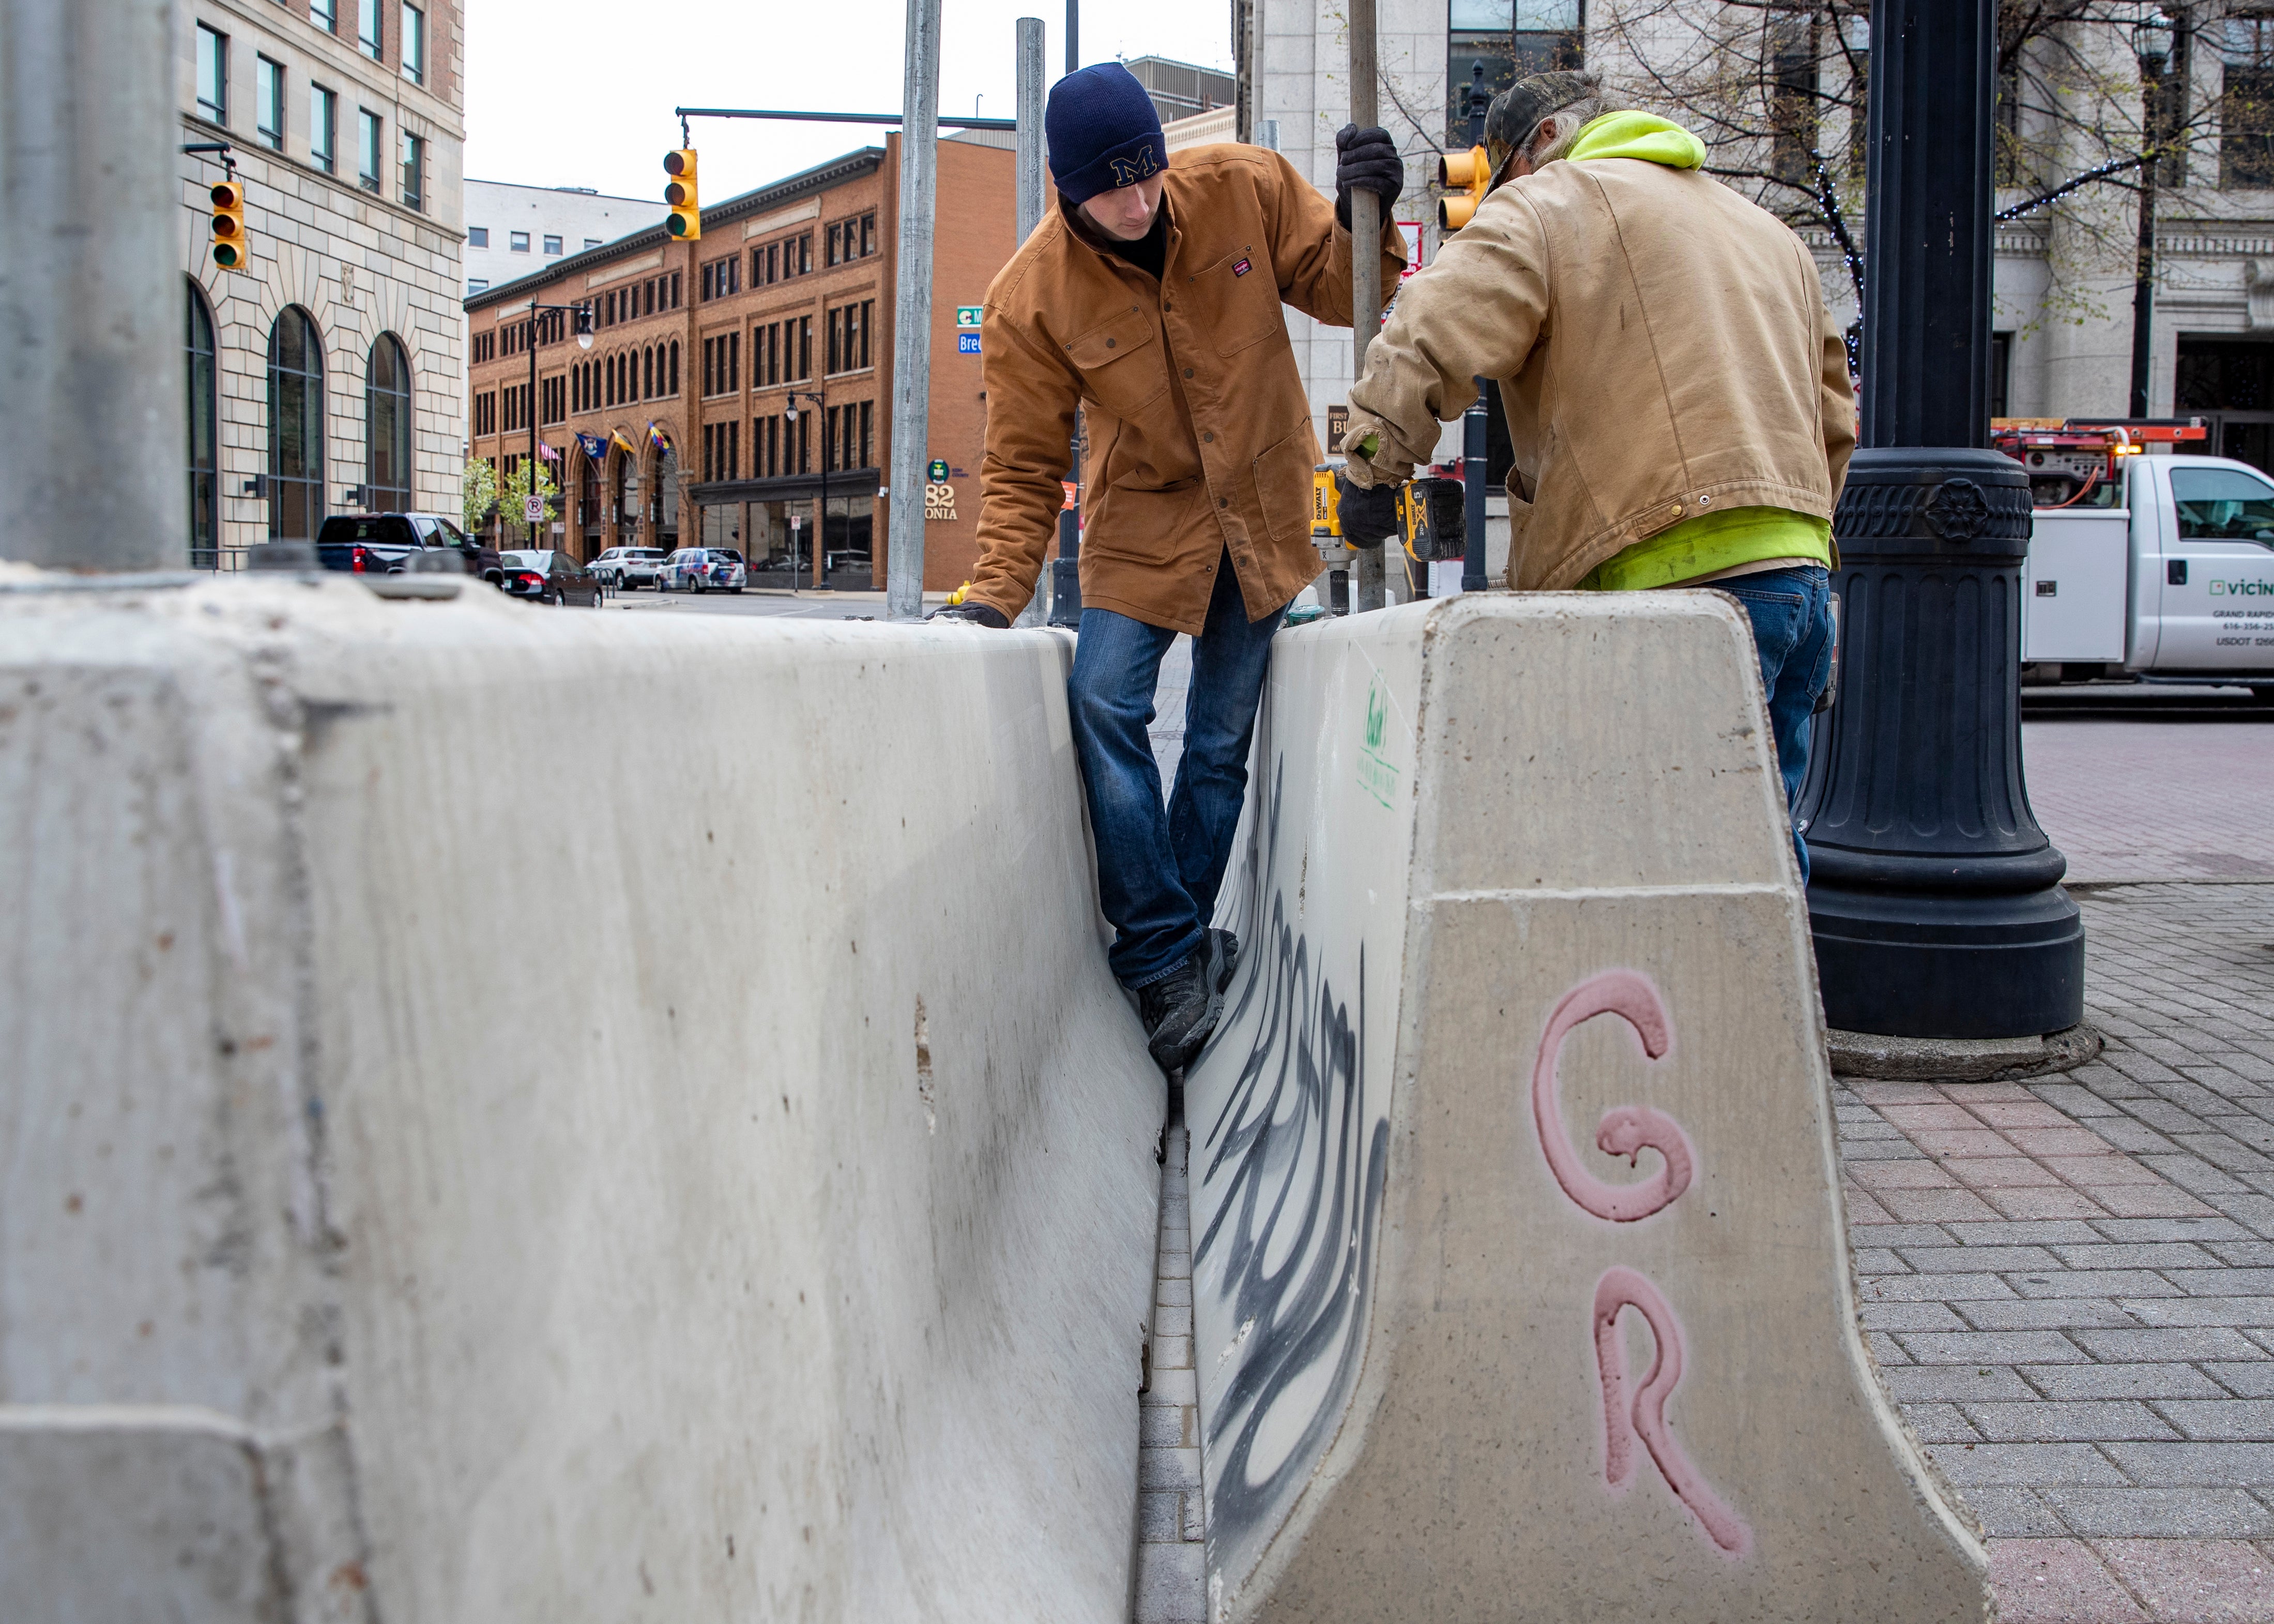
{"x":740,"y":386}
{"x":325,"y":375}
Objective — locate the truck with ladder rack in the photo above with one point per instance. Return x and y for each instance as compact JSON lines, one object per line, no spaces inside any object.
{"x":2155,"y":564}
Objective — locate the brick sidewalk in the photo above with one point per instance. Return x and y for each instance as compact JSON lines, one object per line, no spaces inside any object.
{"x":2069,"y":1282}
{"x":2149,"y":800}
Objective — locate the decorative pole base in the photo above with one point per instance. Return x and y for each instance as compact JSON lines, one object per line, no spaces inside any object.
{"x":1934,"y":897}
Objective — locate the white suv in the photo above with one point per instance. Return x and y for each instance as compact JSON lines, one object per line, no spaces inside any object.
{"x":628,"y":569}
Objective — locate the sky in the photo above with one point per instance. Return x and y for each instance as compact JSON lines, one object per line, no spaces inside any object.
{"x":575,"y":93}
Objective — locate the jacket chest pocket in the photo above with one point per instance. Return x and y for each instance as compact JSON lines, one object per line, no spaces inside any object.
{"x":1121,"y":363}
{"x":1239,"y":302}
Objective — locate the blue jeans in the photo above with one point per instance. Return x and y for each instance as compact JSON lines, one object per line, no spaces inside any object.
{"x":1791,"y":611}
{"x":1159,"y":868}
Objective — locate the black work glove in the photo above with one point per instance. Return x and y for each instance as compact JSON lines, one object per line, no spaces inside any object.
{"x":1368,"y":515}
{"x":1367,"y":158}
{"x":981,"y":614}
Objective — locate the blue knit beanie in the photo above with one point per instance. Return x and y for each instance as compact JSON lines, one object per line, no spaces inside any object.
{"x":1102,"y":131}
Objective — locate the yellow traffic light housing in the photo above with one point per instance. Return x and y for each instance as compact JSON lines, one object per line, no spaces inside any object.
{"x":1472,"y":173}
{"x":679,"y":192}
{"x":231,"y":250}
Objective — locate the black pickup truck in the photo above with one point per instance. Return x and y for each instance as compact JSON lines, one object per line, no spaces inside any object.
{"x":381,"y":543}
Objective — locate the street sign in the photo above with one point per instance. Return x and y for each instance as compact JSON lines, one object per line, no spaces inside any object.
{"x":966,"y":315}
{"x":966,"y":343}
{"x":935,"y":469}
{"x":532,"y":510}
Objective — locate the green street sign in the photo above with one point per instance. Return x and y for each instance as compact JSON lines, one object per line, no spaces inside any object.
{"x":966,"y":315}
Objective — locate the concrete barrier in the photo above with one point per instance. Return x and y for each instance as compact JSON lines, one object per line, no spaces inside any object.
{"x":529,"y":1114}
{"x":1515,"y":879}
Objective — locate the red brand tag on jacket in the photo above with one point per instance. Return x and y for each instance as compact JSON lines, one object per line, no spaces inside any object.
{"x":1242,"y":269}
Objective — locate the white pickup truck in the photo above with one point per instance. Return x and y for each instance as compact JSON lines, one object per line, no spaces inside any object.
{"x":2176,"y":580}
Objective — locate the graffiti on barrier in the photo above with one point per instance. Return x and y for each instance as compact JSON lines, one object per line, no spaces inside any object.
{"x":1626,"y":1130}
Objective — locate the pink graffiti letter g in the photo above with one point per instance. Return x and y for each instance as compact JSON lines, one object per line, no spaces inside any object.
{"x":1626,"y":1130}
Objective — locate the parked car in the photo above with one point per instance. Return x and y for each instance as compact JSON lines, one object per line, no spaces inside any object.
{"x":551,"y":577}
{"x":627,"y":569}
{"x":381,"y":543}
{"x":702,"y":569}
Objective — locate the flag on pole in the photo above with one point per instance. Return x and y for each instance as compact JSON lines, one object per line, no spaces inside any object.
{"x":593,"y":447}
{"x":548,"y":452}
{"x":657,"y":440}
{"x":617,"y":436}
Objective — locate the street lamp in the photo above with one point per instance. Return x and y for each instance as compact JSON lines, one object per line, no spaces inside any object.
{"x":2151,"y":43}
{"x":583,"y":325}
{"x":821,"y":529}
{"x":1934,"y":898}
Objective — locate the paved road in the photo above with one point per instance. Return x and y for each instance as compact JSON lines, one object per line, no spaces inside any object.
{"x":2184,"y":789}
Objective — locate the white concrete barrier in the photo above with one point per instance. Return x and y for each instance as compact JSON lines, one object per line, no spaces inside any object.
{"x":516,"y":1113}
{"x":1519,"y":910}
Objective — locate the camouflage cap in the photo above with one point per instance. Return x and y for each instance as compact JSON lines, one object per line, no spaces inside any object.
{"x":1516,"y":112}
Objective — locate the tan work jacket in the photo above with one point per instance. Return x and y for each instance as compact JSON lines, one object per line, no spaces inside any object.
{"x":1200,"y":431}
{"x":1662,"y":348}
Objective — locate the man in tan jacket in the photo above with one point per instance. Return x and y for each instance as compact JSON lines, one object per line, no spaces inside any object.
{"x":1150,"y":299}
{"x":1677,"y":391}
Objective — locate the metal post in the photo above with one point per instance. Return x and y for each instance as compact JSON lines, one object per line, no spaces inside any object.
{"x":1027,"y":32}
{"x":531,"y":407}
{"x":1935,"y":899}
{"x":1475,"y":438}
{"x":1366,"y":257}
{"x":912,"y":312}
{"x":93,"y":386}
{"x":2151,"y":43}
{"x":1073,"y":36}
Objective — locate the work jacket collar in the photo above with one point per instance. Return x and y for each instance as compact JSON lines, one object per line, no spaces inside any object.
{"x":1090,"y":238}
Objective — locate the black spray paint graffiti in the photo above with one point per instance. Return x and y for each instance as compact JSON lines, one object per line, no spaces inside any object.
{"x":1302,"y":1180}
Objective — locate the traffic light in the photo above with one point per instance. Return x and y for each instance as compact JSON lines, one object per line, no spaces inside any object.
{"x":679,"y":192}
{"x":229,"y":248}
{"x":1472,"y":171}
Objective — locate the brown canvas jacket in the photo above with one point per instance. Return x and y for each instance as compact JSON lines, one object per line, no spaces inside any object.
{"x":1663,"y":350}
{"x":1200,"y":431}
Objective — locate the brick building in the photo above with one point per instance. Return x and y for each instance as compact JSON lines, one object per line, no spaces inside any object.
{"x":738,"y":381}
{"x":328,"y":372}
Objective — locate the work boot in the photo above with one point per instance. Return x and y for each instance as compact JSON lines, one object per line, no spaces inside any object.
{"x":1227,"y":956}
{"x":1181,"y":1009}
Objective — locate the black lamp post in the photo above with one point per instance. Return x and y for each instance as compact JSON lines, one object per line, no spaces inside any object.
{"x":821,"y":524}
{"x":1935,"y":899}
{"x":2151,"y":43}
{"x":1476,"y":423}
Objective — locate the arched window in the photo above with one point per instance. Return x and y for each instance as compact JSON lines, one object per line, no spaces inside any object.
{"x":295,"y":427}
{"x":616,"y":379}
{"x":205,"y":505}
{"x":647,"y":372}
{"x":673,"y":387}
{"x":386,"y":428}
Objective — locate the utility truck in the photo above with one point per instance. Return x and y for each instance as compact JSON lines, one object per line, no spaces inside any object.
{"x":2156,"y":566}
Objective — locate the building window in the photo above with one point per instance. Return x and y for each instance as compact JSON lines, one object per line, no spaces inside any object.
{"x":1513,"y":40}
{"x":1792,"y":99}
{"x":205,"y":525}
{"x":2001,"y":373}
{"x":591,"y":242}
{"x":295,"y":427}
{"x":324,"y":14}
{"x":371,"y":35}
{"x":2245,"y":105}
{"x":518,"y":242}
{"x":323,"y":128}
{"x":553,"y":245}
{"x":414,"y":171}
{"x":849,"y":336}
{"x":386,"y":428}
{"x":269,"y":102}
{"x":478,"y":237}
{"x":213,"y":75}
{"x":414,"y":45}
{"x":476,"y":284}
{"x":369,"y":149}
